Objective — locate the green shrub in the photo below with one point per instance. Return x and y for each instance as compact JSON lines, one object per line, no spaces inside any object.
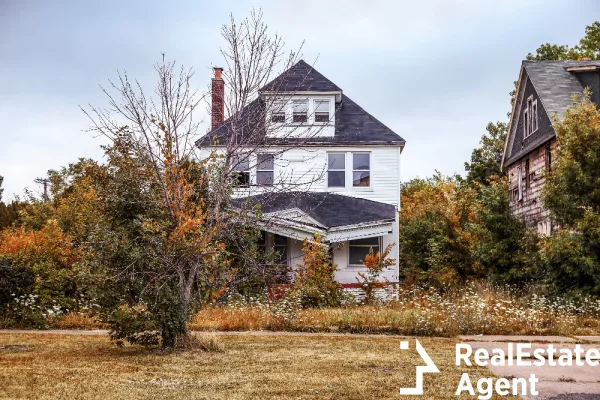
{"x":133,"y":324}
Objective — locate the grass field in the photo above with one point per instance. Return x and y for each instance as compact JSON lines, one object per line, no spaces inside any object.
{"x":45,"y":366}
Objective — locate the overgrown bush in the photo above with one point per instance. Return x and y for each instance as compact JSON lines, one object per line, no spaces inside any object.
{"x":314,"y":282}
{"x":42,"y":279}
{"x":133,"y":324}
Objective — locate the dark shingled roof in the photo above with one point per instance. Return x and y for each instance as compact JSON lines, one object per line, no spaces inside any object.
{"x":353,"y":125}
{"x":301,"y":77}
{"x":554,"y":84}
{"x":329,"y":209}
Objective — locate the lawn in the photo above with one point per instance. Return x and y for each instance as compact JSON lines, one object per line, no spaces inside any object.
{"x":46,"y":366}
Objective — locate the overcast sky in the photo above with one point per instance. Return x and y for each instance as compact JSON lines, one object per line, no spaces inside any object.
{"x":436,"y":72}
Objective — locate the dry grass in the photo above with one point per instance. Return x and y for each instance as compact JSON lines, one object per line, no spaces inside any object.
{"x":251,"y":367}
{"x":75,"y":320}
{"x":424,"y":313}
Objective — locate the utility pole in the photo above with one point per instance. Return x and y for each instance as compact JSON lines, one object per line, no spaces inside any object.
{"x":44,"y":182}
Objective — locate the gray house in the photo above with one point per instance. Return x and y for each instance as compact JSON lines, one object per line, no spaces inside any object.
{"x":544,"y":92}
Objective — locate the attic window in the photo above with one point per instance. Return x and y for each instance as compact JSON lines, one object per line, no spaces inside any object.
{"x":278,"y":112}
{"x":530,"y":117}
{"x":321,"y":110}
{"x":300,"y":111}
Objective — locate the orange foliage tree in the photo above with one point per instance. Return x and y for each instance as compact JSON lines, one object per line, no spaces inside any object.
{"x":375,"y":263}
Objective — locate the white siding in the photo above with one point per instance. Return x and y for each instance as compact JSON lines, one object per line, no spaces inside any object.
{"x":305,"y":169}
{"x":346,"y":273}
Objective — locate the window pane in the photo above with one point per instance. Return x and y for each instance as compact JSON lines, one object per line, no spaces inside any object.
{"x":264,"y":178}
{"x":300,"y":117}
{"x":300,"y":108}
{"x":357,"y":254}
{"x":336,"y":179}
{"x":242,"y":179}
{"x":265,"y":162}
{"x":361,"y":179}
{"x":322,"y":106}
{"x":278,"y":111}
{"x":360,"y":161}
{"x":240,"y":163}
{"x":277,"y":117}
{"x":336,"y":161}
{"x":279,"y":240}
{"x":282,"y":251}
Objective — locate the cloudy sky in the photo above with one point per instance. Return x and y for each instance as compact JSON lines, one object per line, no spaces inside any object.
{"x":434,"y":71}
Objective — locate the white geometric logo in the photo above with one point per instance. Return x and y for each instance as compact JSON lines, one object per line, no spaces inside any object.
{"x":429,"y":367}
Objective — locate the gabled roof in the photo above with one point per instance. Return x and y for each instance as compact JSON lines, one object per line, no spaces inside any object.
{"x":353,"y":125}
{"x":554,"y":84}
{"x":328,"y":209}
{"x":301,"y":77}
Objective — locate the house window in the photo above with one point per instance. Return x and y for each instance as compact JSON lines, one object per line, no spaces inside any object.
{"x":265,"y":169}
{"x":280,"y":246}
{"x":322,"y":111}
{"x":300,"y":111}
{"x":278,"y":111}
{"x":361,"y":170}
{"x":241,"y":170}
{"x":527,"y":178}
{"x":519,"y":185}
{"x":548,"y":158}
{"x":336,"y":169}
{"x":530,"y":117}
{"x":359,"y":248}
{"x":534,"y":117}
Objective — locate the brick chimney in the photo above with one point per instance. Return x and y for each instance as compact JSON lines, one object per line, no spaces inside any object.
{"x":218,"y":95}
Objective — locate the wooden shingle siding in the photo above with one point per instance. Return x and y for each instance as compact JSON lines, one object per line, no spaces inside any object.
{"x":530,"y":207}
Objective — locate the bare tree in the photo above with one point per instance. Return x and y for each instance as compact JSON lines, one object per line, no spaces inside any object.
{"x":160,"y":132}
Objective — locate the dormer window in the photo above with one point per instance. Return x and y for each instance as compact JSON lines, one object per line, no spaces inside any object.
{"x":300,"y":111}
{"x":278,"y":112}
{"x":322,"y":111}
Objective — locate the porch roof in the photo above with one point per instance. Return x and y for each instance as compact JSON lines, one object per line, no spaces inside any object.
{"x":336,"y":217}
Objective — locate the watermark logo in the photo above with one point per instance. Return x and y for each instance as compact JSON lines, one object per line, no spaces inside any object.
{"x":429,"y":367}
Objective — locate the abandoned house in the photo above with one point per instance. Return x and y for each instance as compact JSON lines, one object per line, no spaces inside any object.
{"x":544,"y":92}
{"x":316,"y":162}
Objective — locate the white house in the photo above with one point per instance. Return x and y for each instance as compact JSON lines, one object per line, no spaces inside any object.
{"x":323,"y":164}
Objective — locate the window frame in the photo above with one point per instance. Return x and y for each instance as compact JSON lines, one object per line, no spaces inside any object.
{"x":519,"y":184}
{"x":361,"y":170}
{"x":343,"y":153}
{"x":328,"y":102}
{"x":530,"y":117}
{"x":235,"y":162}
{"x":297,"y":101}
{"x":258,"y":170}
{"x":275,"y":111}
{"x":366,"y":246}
{"x":286,"y":251}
